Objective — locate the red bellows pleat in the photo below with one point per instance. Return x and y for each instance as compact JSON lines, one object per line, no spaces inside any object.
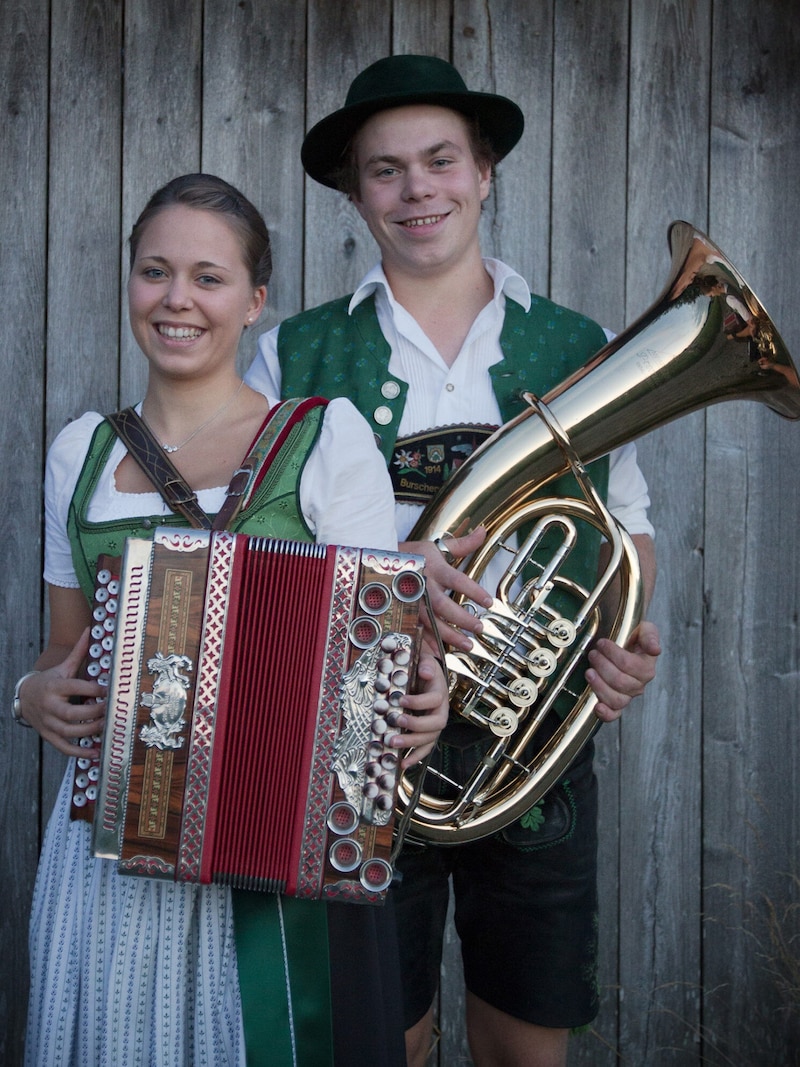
{"x":268,"y":696}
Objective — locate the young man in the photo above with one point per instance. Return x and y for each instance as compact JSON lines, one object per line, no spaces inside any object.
{"x":438,"y":337}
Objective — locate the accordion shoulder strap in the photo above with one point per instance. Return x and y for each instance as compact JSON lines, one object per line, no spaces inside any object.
{"x":148,"y":453}
{"x":271,"y":438}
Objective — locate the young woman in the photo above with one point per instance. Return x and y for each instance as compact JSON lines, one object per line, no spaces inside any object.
{"x":129,"y":970}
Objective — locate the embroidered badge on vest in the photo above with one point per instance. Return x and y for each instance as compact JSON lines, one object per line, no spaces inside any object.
{"x":423,"y":462}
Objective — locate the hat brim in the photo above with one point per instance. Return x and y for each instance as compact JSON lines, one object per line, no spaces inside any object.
{"x":501,"y":122}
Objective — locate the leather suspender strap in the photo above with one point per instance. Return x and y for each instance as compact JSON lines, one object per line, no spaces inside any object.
{"x":150,"y":456}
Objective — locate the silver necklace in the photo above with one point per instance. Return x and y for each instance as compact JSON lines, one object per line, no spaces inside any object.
{"x":202,"y":426}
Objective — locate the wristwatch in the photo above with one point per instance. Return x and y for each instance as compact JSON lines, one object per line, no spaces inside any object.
{"x":16,"y":710}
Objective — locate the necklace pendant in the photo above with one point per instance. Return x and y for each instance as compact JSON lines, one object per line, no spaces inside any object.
{"x":170,"y":448}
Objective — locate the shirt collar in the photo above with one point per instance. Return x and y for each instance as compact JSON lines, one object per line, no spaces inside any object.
{"x":506,"y":283}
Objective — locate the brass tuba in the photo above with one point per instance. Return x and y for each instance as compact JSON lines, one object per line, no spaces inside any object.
{"x":707,"y":338}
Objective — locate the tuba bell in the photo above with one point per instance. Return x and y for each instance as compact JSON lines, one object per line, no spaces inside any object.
{"x":707,"y":338}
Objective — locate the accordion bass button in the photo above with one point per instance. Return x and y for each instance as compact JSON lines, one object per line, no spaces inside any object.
{"x":376,"y":875}
{"x":342,"y":818}
{"x":345,"y":855}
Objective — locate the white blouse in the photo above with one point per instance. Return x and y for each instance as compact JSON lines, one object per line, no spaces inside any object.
{"x":345,"y":491}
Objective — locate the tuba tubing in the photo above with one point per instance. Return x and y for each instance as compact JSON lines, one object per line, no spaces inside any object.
{"x":707,"y":338}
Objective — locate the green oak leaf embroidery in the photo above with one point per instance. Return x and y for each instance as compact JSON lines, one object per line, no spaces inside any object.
{"x":533,"y":819}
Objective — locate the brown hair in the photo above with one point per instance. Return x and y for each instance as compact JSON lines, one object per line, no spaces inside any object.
{"x":205,"y":192}
{"x":346,"y":175}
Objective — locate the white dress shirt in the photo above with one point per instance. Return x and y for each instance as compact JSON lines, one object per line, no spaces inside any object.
{"x":439,"y":395}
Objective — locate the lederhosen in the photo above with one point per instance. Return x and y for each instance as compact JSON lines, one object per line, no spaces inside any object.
{"x":343,"y":957}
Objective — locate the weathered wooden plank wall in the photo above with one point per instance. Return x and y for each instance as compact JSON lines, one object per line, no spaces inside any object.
{"x":638,"y":112}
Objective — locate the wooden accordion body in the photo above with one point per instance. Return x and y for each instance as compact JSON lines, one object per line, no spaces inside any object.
{"x":252,"y":695}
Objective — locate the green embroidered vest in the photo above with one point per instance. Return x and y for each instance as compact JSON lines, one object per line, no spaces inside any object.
{"x":327,"y":352}
{"x":274,"y":510}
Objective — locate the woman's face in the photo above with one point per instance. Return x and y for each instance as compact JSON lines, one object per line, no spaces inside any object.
{"x":190,"y":292}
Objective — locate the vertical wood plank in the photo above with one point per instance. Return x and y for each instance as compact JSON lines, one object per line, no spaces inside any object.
{"x":590,"y":69}
{"x":752,"y":766}
{"x":83,"y":308}
{"x":338,"y":247}
{"x":160,"y":131}
{"x":254,"y":84}
{"x":589,"y":117}
{"x":661,"y":743}
{"x":23,"y":162}
{"x":421,"y":27}
{"x":508,"y":49}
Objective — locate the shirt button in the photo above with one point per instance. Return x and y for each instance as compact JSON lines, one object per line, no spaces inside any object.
{"x":382,"y":415}
{"x":390,"y":390}
{"x":449,"y":387}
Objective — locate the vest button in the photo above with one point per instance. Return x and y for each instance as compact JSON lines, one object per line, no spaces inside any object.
{"x":390,"y":390}
{"x":382,"y":415}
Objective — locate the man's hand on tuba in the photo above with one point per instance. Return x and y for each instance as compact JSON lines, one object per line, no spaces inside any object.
{"x":617,"y":675}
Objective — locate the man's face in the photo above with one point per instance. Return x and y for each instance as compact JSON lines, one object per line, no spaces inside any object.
{"x":420,"y":188}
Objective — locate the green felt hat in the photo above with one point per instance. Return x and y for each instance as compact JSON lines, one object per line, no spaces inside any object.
{"x":395,"y":82}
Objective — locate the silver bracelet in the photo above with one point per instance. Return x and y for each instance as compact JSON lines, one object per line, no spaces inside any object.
{"x":16,"y":710}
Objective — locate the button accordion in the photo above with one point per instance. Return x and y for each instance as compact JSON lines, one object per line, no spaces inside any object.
{"x":253,"y":692}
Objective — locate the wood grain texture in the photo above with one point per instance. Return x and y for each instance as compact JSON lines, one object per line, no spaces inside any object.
{"x":637,"y":113}
{"x":23,"y":259}
{"x":161,"y":128}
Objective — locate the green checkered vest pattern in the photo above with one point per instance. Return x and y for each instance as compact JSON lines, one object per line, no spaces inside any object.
{"x":327,"y":352}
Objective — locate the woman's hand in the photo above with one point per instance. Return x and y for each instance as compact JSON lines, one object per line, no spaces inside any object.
{"x":45,"y":702}
{"x":440,"y":577}
{"x":426,"y":712}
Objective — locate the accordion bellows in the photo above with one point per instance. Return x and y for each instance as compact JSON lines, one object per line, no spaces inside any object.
{"x":252,"y":698}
